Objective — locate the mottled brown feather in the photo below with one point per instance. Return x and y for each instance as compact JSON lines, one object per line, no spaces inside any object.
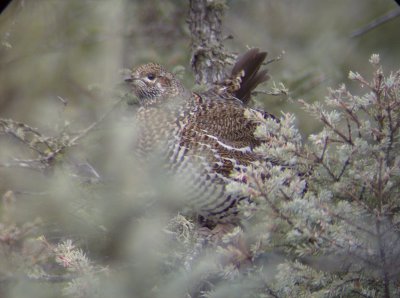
{"x":203,"y":137}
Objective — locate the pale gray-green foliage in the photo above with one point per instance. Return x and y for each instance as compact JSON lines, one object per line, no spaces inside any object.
{"x":322,"y":222}
{"x":331,"y":206}
{"x":301,"y":229}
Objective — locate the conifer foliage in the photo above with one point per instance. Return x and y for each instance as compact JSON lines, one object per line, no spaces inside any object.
{"x":323,"y":219}
{"x":333,"y":209}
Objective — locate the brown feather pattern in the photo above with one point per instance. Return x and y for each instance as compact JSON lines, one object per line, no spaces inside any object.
{"x":202,"y":137}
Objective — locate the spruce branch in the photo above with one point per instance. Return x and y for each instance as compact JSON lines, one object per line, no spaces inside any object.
{"x":48,"y":149}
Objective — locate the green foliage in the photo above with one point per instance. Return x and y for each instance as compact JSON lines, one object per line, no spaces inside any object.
{"x":332,"y":206}
{"x":79,"y":219}
{"x":323,"y":220}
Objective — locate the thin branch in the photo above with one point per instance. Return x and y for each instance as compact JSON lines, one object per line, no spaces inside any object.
{"x":376,"y":23}
{"x":352,"y":280}
{"x":335,"y":130}
{"x":55,"y":145}
{"x":84,"y":132}
{"x":346,"y":164}
{"x":263,"y":193}
{"x":392,"y":133}
{"x":325,"y":166}
{"x":382,"y":254}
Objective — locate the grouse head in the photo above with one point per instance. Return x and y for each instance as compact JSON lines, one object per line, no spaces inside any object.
{"x":153,"y":84}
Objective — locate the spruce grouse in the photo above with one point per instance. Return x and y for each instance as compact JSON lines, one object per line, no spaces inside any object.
{"x":201,"y":137}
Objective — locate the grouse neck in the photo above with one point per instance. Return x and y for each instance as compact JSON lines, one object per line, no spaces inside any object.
{"x":165,"y":102}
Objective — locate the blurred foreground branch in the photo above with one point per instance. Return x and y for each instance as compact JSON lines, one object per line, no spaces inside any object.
{"x":47,"y":148}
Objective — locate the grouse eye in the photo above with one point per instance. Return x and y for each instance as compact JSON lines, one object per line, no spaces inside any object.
{"x":151,"y":76}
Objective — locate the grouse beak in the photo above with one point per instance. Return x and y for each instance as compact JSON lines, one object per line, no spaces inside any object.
{"x":128,"y":79}
{"x":131,"y":78}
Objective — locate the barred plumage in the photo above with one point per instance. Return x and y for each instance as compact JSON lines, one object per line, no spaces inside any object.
{"x":202,"y":137}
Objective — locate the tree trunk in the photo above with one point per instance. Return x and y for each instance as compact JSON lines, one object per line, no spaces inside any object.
{"x":208,"y":56}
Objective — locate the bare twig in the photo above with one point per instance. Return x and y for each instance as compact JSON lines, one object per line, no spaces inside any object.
{"x":84,"y":132}
{"x":53,"y":145}
{"x":376,"y":23}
